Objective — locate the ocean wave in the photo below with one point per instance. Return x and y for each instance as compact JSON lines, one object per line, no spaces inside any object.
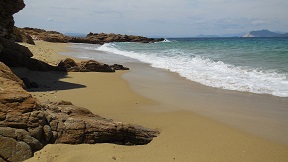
{"x":166,"y":40}
{"x":211,"y":73}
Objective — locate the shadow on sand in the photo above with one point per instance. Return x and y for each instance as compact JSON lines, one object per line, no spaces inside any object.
{"x":47,"y":81}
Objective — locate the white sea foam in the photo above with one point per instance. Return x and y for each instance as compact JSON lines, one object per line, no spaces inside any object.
{"x":166,"y":40}
{"x":211,"y":73}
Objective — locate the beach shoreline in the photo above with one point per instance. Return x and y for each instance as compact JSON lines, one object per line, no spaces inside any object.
{"x":260,"y":114}
{"x":139,"y":97}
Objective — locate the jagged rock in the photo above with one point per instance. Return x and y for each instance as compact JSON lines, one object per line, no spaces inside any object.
{"x":13,"y":150}
{"x":26,"y":126}
{"x":118,"y":67}
{"x":66,"y":65}
{"x":8,"y":8}
{"x":15,"y":55}
{"x":21,"y":36}
{"x":92,"y":38}
{"x":106,"y":38}
{"x":70,"y":65}
{"x":92,"y":65}
{"x":11,"y":53}
{"x":6,"y":73}
{"x":49,"y":36}
{"x":85,"y":40}
{"x":74,"y":125}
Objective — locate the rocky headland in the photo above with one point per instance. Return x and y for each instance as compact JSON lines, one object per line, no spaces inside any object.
{"x":26,"y":125}
{"x":92,"y":38}
{"x":264,"y":33}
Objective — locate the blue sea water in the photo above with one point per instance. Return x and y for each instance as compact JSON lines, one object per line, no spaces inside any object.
{"x":256,"y":65}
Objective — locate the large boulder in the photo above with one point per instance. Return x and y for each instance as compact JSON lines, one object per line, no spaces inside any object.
{"x":27,"y":126}
{"x":15,"y":55}
{"x":74,"y":125}
{"x":69,"y":65}
{"x":92,"y":65}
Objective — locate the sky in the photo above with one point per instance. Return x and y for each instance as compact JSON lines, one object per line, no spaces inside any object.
{"x":164,"y":18}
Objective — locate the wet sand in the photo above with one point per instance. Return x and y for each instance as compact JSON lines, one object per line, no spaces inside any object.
{"x":263,"y":115}
{"x":191,"y":117}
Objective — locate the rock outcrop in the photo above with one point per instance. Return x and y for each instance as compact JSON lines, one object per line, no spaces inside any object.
{"x":118,"y":67}
{"x":27,"y":126}
{"x":69,"y":65}
{"x":49,"y":36}
{"x":106,"y":38}
{"x":15,"y":55}
{"x":74,"y":125}
{"x":11,"y":53}
{"x":92,"y":38}
{"x":8,"y":8}
{"x":21,"y":36}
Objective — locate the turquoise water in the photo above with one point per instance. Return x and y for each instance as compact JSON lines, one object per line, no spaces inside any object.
{"x":257,"y":65}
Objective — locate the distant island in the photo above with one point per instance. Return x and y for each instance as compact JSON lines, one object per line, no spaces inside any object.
{"x":264,"y":33}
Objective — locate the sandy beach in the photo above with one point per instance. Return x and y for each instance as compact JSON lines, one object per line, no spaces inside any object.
{"x":193,"y":119}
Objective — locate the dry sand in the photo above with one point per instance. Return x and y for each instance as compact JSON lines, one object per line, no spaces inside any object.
{"x":185,"y":136}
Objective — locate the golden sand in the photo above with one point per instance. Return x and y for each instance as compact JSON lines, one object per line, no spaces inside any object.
{"x":185,"y":136}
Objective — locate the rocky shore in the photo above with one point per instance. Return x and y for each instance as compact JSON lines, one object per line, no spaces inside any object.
{"x":25,"y":35}
{"x":26,"y":125}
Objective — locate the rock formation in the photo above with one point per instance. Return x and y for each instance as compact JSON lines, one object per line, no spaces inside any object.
{"x":27,"y":126}
{"x":21,"y":36}
{"x":92,"y":38}
{"x":11,"y":53}
{"x":118,"y":67}
{"x":49,"y":36}
{"x":69,"y":65}
{"x":106,"y":38}
{"x":8,"y":8}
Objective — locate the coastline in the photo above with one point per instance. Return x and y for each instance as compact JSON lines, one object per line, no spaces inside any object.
{"x":259,"y":114}
{"x":185,"y":136}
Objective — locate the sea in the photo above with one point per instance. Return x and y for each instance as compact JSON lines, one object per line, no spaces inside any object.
{"x":255,"y":65}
